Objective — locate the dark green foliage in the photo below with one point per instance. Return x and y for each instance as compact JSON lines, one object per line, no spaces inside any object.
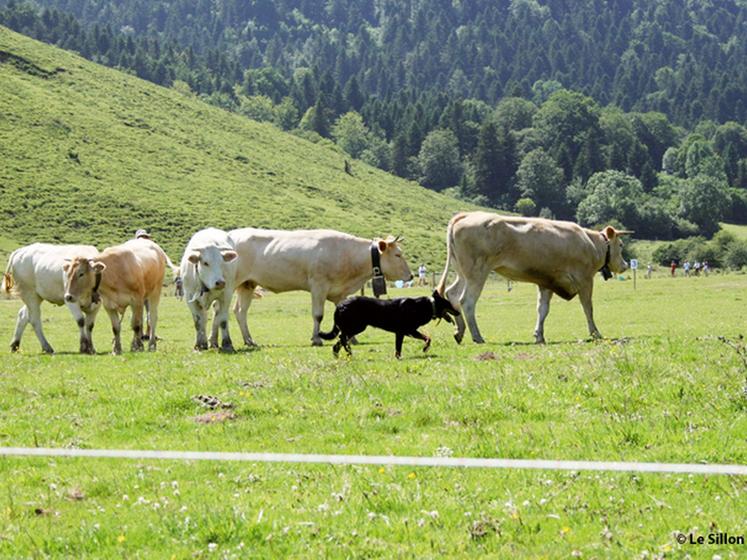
{"x":552,"y":71}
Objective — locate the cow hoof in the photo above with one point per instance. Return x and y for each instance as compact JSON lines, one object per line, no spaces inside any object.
{"x":117,"y":352}
{"x":48,"y":350}
{"x":317,"y":343}
{"x":478,"y":340}
{"x":458,"y":337}
{"x":539,"y":340}
{"x":227,"y":349}
{"x":397,"y":355}
{"x":15,"y":345}
{"x":151,"y":347}
{"x":136,"y":347}
{"x":199,"y":346}
{"x":427,"y":345}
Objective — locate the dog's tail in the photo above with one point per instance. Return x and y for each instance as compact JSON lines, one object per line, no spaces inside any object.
{"x":331,"y":334}
{"x":441,"y":288}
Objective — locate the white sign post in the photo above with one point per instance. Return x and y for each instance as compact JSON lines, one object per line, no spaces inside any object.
{"x":634,"y":268}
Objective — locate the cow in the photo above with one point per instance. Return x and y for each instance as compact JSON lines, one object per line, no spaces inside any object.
{"x":402,"y":316}
{"x":329,"y":264}
{"x":35,"y":272}
{"x":125,"y":275}
{"x":559,"y":257}
{"x":208,"y":272}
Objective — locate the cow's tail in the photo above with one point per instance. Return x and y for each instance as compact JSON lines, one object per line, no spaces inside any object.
{"x":176,"y":272}
{"x":7,"y":282}
{"x":331,"y":334}
{"x":449,"y":252}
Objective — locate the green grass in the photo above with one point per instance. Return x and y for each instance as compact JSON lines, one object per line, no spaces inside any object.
{"x":739,"y":231}
{"x":90,"y":154}
{"x":660,"y":388}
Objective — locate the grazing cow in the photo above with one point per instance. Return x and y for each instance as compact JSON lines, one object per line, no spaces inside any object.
{"x":329,"y":264}
{"x":560,"y":257}
{"x":402,"y":316}
{"x":126,"y":275}
{"x":35,"y":273}
{"x":208,"y":272}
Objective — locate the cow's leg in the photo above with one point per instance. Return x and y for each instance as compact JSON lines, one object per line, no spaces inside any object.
{"x":152,"y":307}
{"x":584,"y":294}
{"x":116,"y":321}
{"x":215,"y":325}
{"x":398,"y":338}
{"x":33,"y":304}
{"x":318,"y":297}
{"x":244,"y":294}
{"x":543,"y":307}
{"x":468,"y":300}
{"x":21,"y":322}
{"x":420,"y":336}
{"x":221,"y":319}
{"x":199,"y":315}
{"x":90,"y":322}
{"x":454,"y":294}
{"x":148,"y":328}
{"x":137,"y":327}
{"x":80,"y":320}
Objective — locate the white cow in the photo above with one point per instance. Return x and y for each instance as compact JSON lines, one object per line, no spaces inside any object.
{"x":36,"y":274}
{"x":329,"y":264}
{"x":559,"y":257}
{"x":208,"y":272}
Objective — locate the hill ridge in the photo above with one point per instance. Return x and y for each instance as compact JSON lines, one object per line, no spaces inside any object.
{"x":91,"y":154}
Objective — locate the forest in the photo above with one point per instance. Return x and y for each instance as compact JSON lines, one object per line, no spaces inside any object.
{"x":617,"y":111}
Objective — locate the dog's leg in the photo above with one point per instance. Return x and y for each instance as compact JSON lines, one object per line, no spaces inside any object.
{"x":417,"y":334}
{"x":399,"y":337}
{"x":346,"y":343}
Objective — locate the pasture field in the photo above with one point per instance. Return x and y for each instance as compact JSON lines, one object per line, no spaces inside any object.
{"x":660,"y":388}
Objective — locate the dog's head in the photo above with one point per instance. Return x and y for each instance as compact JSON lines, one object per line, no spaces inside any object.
{"x":443,"y":307}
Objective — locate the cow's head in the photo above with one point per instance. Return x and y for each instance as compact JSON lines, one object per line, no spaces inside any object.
{"x":210,"y":265}
{"x":82,"y":277}
{"x":442,"y":307}
{"x":617,"y":263}
{"x":393,"y":264}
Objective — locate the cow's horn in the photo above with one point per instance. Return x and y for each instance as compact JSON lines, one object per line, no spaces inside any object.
{"x":625,"y":232}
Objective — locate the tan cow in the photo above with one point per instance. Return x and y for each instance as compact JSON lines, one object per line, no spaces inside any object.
{"x":329,"y":264}
{"x":560,"y":257}
{"x":126,"y":276}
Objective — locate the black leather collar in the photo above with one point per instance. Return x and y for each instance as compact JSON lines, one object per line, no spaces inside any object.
{"x":605,"y":270}
{"x":95,"y":296}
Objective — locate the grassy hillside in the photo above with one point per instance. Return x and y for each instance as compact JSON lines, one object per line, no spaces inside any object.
{"x":90,"y":154}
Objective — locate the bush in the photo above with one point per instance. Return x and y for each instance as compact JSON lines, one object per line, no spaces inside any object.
{"x":736,"y":255}
{"x":526,"y":207}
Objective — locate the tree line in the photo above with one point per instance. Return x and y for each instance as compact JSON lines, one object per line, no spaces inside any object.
{"x":624,"y":110}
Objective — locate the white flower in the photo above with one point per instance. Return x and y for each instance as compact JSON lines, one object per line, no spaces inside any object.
{"x":323,"y":507}
{"x":212,"y":546}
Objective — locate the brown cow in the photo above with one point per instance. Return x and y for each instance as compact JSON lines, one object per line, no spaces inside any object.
{"x":126,"y":275}
{"x":560,"y":257}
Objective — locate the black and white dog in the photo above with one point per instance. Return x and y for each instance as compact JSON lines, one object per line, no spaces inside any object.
{"x":402,"y":316}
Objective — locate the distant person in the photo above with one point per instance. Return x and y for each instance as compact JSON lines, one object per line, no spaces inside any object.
{"x":696,"y":268}
{"x":706,"y":268}
{"x":673,"y":268}
{"x":686,"y":268}
{"x":649,"y":271}
{"x":179,"y":288}
{"x":421,"y":275}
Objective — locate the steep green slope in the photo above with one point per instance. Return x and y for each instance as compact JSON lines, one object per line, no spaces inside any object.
{"x":89,"y":154}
